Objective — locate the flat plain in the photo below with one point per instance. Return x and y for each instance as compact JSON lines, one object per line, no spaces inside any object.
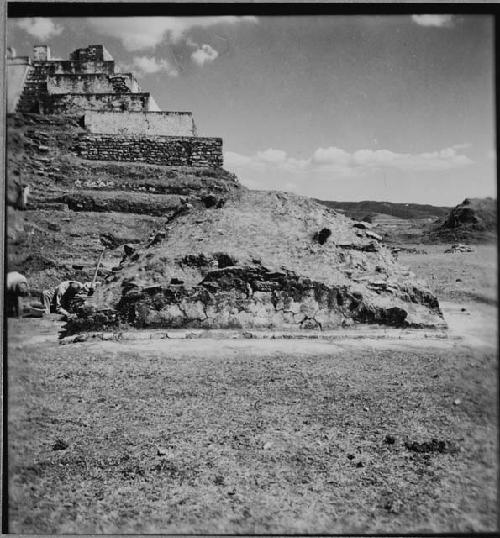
{"x":394,"y":432}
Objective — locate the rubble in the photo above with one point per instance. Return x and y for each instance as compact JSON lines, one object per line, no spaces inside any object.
{"x":458,"y":248}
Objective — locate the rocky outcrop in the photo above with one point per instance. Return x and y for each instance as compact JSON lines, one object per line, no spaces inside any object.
{"x":474,"y":220}
{"x":478,"y":213}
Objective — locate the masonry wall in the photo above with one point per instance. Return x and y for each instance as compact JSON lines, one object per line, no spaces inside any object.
{"x":53,"y":67}
{"x":141,"y":123}
{"x":163,"y":150}
{"x":74,"y":103}
{"x":90,"y":83}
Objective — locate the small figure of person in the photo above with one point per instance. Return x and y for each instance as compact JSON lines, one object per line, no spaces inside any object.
{"x":59,"y":299}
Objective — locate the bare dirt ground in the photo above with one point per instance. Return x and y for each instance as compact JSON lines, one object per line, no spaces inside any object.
{"x":332,"y":435}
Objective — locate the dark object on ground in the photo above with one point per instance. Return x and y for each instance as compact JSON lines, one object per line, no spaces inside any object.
{"x":128,"y":249}
{"x":322,"y":236}
{"x":435,"y":445}
{"x":157,"y":238}
{"x":390,"y":439}
{"x":60,"y":444}
{"x":210,"y":201}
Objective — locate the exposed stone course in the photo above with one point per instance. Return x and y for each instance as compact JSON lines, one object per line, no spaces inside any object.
{"x":164,"y":150}
{"x":91,"y":83}
{"x":74,"y":103}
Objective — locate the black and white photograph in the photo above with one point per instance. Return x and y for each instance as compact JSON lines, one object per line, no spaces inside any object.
{"x":250,"y":270}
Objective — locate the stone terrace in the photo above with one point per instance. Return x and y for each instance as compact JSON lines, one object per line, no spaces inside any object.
{"x":125,"y":122}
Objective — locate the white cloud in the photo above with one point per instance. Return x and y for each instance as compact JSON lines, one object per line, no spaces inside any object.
{"x":272,"y":156}
{"x":433,"y":20}
{"x":40,"y":27}
{"x":204,"y":54}
{"x":341,"y":163}
{"x":139,"y":33}
{"x":148,"y":65}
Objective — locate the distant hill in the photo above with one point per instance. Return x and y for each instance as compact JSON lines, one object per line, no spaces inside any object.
{"x":475,"y":219}
{"x":367,"y":209}
{"x":478,"y":213}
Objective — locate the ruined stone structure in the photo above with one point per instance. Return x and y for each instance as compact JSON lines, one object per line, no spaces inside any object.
{"x":124,"y":122}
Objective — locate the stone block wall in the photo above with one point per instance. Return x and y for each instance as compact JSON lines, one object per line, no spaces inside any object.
{"x":162,"y":150}
{"x":74,"y":103}
{"x":141,"y":123}
{"x":53,"y":67}
{"x":90,"y":83}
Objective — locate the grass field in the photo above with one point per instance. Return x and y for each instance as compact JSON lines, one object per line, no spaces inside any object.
{"x":243,"y":436}
{"x":466,"y":276}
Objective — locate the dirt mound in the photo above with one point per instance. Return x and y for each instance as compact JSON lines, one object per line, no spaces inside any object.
{"x":475,"y":219}
{"x":257,"y":262}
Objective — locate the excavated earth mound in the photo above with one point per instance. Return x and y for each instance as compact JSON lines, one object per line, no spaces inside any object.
{"x":264,"y":260}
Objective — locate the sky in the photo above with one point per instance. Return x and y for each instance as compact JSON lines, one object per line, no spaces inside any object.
{"x":396,"y":108}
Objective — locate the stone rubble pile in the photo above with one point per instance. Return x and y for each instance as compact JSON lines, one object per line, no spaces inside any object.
{"x":458,"y":248}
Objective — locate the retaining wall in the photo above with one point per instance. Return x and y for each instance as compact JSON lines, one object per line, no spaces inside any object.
{"x":162,"y":150}
{"x":144,"y":123}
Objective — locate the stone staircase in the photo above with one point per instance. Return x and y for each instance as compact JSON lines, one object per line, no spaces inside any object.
{"x":35,"y":86}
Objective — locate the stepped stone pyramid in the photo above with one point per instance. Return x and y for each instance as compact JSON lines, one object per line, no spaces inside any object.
{"x":124,"y":122}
